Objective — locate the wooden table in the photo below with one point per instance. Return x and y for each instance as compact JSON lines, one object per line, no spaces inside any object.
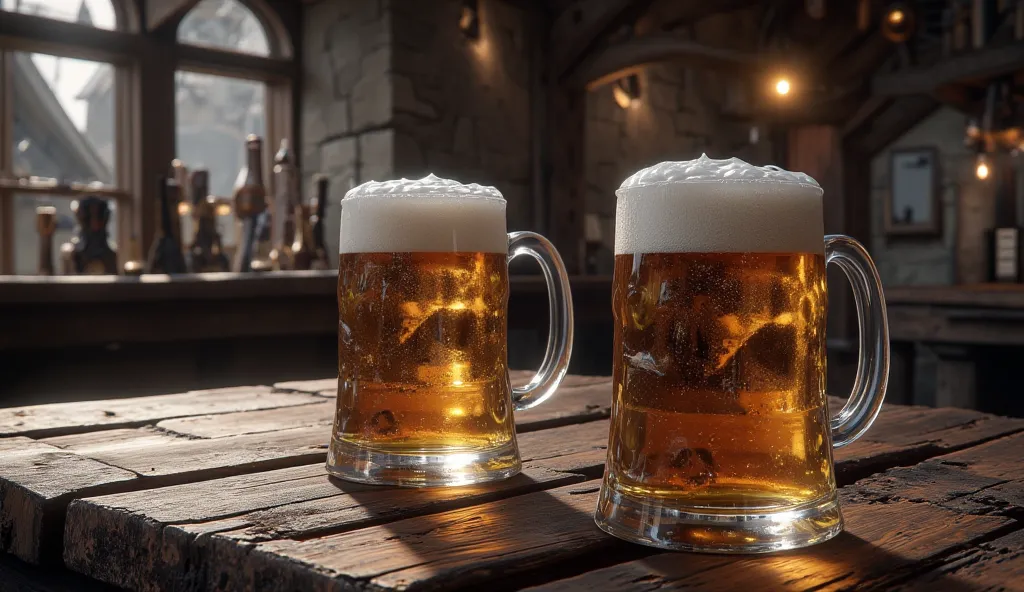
{"x":225,"y":490}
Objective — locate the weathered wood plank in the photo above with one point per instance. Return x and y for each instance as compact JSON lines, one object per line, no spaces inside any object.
{"x":533,"y":532}
{"x":907,"y":435}
{"x":993,"y":565}
{"x":253,"y":422}
{"x":896,"y":521}
{"x":57,"y":419}
{"x":900,"y":434}
{"x":143,"y":458}
{"x":329,"y":386}
{"x":37,"y":476}
{"x":155,"y":539}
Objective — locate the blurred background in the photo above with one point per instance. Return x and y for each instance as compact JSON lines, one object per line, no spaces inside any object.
{"x":908,"y":114}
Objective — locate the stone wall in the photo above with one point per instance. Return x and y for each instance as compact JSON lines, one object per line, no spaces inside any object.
{"x":394,"y":90}
{"x":677,"y":117}
{"x":461,"y":105}
{"x":347,"y":98}
{"x":933,"y":260}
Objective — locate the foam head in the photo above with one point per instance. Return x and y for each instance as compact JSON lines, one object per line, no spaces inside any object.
{"x":726,"y":206}
{"x":428,"y":215}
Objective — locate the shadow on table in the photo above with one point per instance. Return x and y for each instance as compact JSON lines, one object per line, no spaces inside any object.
{"x":550,"y":535}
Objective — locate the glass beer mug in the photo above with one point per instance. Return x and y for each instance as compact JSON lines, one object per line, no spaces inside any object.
{"x":720,"y":435}
{"x":424,"y":396}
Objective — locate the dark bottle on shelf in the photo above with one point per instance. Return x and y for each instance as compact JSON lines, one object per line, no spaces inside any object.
{"x":286,"y":198}
{"x":250,"y":202}
{"x":317,"y":221}
{"x":46,"y":225}
{"x":89,"y":253}
{"x":206,"y":253}
{"x":165,"y":256}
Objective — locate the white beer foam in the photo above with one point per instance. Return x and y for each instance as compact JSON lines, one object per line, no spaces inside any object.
{"x":428,"y":215}
{"x":728,"y":206}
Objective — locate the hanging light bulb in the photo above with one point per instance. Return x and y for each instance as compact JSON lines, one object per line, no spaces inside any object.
{"x":981,"y":168}
{"x":782,"y":87}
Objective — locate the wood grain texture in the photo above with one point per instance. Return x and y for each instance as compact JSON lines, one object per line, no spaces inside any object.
{"x":156,"y":540}
{"x":57,"y":419}
{"x":880,"y":541}
{"x":907,"y":435}
{"x":173,"y":529}
{"x":992,"y":565}
{"x":938,"y":513}
{"x":211,"y":447}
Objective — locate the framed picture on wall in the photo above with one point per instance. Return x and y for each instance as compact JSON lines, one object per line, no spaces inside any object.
{"x":913,"y":202}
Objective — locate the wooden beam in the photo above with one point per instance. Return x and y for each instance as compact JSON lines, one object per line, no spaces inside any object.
{"x":159,"y":12}
{"x":25,"y":32}
{"x":903,"y":114}
{"x":977,"y":65}
{"x":214,"y":61}
{"x":691,"y":12}
{"x":616,"y":60}
{"x":581,"y":26}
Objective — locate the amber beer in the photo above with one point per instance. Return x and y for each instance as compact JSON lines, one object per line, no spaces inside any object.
{"x":720,"y":436}
{"x":422,"y":352}
{"x":424,"y":396}
{"x":719,"y":379}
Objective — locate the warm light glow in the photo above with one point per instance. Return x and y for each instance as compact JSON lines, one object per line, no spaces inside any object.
{"x":184,"y":208}
{"x":782,"y":87}
{"x":622,"y":98}
{"x":223,"y":209}
{"x":457,"y":411}
{"x":982,"y":170}
{"x":458,"y":374}
{"x":896,"y":16}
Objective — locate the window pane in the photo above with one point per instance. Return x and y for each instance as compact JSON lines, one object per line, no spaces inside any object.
{"x":63,"y":118}
{"x":97,"y":13}
{"x":225,"y":24}
{"x":214,"y":115}
{"x":26,"y":237}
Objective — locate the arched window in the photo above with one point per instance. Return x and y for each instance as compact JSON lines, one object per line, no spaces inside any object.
{"x":88,"y":107}
{"x":95,"y":13}
{"x":224,"y":24}
{"x":216,"y":108}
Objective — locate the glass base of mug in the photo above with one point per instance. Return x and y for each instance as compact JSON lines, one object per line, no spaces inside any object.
{"x":678,"y":528}
{"x":352,"y":462}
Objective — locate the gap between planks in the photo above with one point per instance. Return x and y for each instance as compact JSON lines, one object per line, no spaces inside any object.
{"x":910,"y":431}
{"x":39,"y":478}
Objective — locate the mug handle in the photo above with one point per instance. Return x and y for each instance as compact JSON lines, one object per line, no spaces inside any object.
{"x":556,"y":358}
{"x":873,"y":363}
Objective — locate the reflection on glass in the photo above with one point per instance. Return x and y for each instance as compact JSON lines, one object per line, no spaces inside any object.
{"x":95,"y":13}
{"x":224,"y":24}
{"x":214,"y":114}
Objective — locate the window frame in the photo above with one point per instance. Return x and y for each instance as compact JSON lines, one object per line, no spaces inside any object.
{"x":145,"y":60}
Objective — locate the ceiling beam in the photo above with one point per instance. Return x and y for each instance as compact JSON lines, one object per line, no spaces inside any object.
{"x":975,"y":66}
{"x":580,"y":27}
{"x":691,"y":12}
{"x":615,"y":61}
{"x":888,"y":125}
{"x":159,"y":12}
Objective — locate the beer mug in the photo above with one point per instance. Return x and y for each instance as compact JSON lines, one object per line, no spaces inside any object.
{"x":720,"y":438}
{"x":424,"y":396}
